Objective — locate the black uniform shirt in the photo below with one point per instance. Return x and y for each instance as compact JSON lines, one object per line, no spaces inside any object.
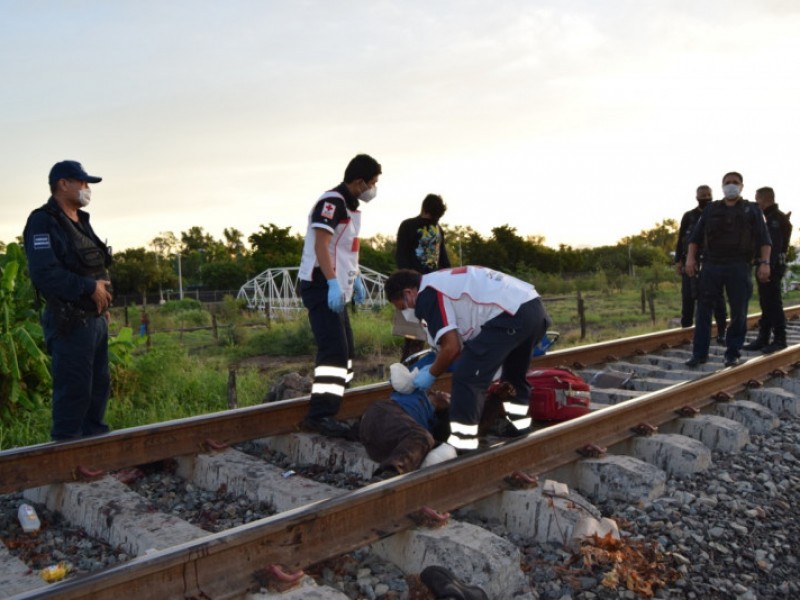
{"x":780,"y":230}
{"x":689,"y":220}
{"x":53,"y":263}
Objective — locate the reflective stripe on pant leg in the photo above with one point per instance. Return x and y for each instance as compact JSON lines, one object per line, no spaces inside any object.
{"x":329,"y":380}
{"x":517,"y":413}
{"x":463,"y":437}
{"x":350,"y":371}
{"x":331,"y":333}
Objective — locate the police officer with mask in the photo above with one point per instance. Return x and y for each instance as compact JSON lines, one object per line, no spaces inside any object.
{"x":68,"y":267}
{"x":689,"y":284}
{"x":773,"y":320}
{"x":727,"y":232}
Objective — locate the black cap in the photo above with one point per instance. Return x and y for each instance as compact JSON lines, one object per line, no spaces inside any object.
{"x":71,"y":169}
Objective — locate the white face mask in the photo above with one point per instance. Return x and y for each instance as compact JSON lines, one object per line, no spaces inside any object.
{"x":84,"y":197}
{"x":731,"y":191}
{"x":368,"y":194}
{"x":408,"y":315}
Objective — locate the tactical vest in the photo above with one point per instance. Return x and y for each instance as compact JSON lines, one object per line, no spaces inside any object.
{"x":728,"y":234}
{"x":90,"y":257}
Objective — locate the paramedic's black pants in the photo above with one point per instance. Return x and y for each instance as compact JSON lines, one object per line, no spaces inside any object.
{"x":334,"y":337}
{"x":505,"y":341}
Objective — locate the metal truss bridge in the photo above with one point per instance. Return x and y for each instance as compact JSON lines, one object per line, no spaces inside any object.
{"x":277,"y":292}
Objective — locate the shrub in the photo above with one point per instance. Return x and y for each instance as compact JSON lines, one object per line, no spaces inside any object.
{"x":289,"y":338}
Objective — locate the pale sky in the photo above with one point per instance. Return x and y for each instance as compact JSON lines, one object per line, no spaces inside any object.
{"x":580,"y":121}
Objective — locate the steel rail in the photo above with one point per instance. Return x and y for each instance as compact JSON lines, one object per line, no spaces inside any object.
{"x":223,"y":565}
{"x":610,"y":351}
{"x":42,"y":464}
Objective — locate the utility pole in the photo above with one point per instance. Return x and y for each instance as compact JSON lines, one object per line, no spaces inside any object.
{"x":180,"y":277}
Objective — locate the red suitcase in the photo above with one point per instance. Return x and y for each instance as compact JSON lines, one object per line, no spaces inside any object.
{"x":557,"y":394}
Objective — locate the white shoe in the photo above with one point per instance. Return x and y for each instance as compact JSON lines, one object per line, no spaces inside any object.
{"x":441,"y":453}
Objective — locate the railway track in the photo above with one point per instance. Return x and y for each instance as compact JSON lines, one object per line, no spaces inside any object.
{"x":323,"y":525}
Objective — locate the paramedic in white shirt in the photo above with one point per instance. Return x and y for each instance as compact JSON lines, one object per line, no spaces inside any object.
{"x":487,"y":320}
{"x":329,"y":279}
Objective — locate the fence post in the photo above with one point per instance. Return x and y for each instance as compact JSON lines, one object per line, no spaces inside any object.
{"x":651,"y":295}
{"x":214,"y":326}
{"x":581,"y":315}
{"x":126,"y":314}
{"x":232,"y":401}
{"x":643,"y":301}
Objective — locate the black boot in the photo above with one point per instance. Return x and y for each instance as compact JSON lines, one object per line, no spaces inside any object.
{"x":778,"y":341}
{"x":444,"y":584}
{"x":762,"y":339}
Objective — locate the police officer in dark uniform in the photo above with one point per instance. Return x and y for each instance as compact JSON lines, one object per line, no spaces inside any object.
{"x":689,"y":284}
{"x":727,"y":231}
{"x":773,"y":320}
{"x":68,"y":267}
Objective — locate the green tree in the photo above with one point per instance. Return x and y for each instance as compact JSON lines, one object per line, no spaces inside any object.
{"x":233,"y":242}
{"x":223,"y":275}
{"x":274,"y":247}
{"x":377,"y":253}
{"x":513,"y":246}
{"x":195,"y":239}
{"x":457,"y":238}
{"x":24,"y":367}
{"x":135,"y":271}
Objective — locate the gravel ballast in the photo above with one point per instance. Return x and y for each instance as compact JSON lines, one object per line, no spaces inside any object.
{"x":731,"y":532}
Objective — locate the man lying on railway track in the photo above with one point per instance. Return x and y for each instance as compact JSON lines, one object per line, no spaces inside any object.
{"x":487,"y":320}
{"x":401,"y":431}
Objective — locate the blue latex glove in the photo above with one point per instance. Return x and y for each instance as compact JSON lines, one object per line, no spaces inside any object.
{"x":335,"y":296}
{"x":359,"y":291}
{"x":424,"y":379}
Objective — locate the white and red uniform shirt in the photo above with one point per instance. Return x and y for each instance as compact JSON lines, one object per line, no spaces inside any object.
{"x":332,"y":214}
{"x":464,"y":298}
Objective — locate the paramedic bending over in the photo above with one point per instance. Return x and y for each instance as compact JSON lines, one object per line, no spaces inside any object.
{"x":490,"y":320}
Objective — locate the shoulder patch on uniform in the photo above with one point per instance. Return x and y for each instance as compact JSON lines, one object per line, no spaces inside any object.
{"x":41,"y":241}
{"x":328,"y":210}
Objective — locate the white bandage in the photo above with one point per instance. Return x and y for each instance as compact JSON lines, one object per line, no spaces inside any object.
{"x":401,"y":378}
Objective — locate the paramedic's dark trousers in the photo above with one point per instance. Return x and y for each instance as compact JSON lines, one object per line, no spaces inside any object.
{"x":736,"y":280}
{"x":81,"y":380}
{"x":505,"y":341}
{"x":334,"y":337}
